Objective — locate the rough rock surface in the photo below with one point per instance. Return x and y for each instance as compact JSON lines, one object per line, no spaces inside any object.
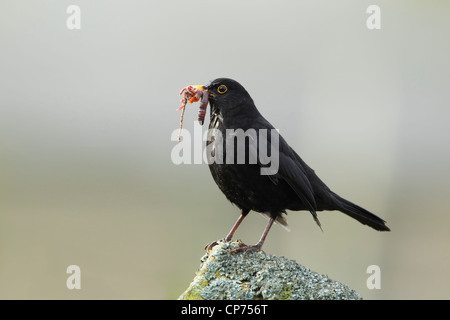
{"x":225,"y":275}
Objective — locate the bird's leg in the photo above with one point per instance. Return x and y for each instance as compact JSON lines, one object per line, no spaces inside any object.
{"x":232,"y":231}
{"x":235,"y":226}
{"x":257,"y":247}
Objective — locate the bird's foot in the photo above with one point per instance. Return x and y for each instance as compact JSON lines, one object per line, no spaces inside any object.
{"x":239,"y":243}
{"x":211,"y":245}
{"x":208,"y":247}
{"x":244,"y":248}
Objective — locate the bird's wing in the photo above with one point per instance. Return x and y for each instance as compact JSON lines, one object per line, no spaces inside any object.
{"x":293,"y":171}
{"x":291,"y":167}
{"x":294,"y":174}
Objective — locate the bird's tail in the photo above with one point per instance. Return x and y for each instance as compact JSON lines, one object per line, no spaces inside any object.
{"x":360,"y":214}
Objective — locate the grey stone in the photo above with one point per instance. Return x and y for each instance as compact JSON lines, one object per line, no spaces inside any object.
{"x":255,"y":275}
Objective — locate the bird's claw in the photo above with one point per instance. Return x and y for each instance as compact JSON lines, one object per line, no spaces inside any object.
{"x":245,"y":248}
{"x":211,"y":245}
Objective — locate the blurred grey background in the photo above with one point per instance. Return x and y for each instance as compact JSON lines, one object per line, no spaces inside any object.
{"x":86,"y":117}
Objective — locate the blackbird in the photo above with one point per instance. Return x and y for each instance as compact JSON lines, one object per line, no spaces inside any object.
{"x":293,"y":186}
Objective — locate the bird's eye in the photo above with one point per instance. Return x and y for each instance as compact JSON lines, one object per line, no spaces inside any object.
{"x":222,"y":89}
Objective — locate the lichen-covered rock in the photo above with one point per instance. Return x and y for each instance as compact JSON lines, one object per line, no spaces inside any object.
{"x":256,"y":275}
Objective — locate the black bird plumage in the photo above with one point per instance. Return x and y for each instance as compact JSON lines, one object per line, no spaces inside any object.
{"x":294,"y":187}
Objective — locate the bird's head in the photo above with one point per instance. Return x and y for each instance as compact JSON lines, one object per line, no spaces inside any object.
{"x":228,"y":96}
